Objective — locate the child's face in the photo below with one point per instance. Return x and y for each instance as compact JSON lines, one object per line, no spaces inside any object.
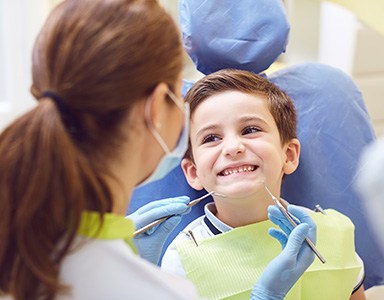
{"x":236,"y":144}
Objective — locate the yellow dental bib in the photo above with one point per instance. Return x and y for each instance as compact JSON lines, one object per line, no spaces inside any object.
{"x":229,"y":264}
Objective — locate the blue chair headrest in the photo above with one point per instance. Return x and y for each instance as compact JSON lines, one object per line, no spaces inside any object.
{"x":247,"y":35}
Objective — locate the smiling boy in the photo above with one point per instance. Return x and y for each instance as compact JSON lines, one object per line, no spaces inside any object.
{"x":242,"y":137}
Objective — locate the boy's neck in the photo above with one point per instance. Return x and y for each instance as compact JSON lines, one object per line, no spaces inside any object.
{"x":241,"y":212}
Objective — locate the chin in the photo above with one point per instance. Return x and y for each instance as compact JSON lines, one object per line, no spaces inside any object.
{"x":237,"y":186}
{"x":239,"y":192}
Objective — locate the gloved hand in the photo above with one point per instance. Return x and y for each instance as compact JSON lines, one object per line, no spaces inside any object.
{"x":150,"y":243}
{"x":283,"y":271}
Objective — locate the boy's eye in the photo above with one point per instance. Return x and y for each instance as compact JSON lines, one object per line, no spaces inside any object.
{"x":210,"y":138}
{"x":250,"y":129}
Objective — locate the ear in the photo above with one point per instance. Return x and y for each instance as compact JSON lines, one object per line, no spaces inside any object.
{"x":157,"y":104}
{"x":190,"y":173}
{"x":292,"y":154}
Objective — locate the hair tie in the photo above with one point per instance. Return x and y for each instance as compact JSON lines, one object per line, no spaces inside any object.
{"x":69,"y":118}
{"x":57,"y":100}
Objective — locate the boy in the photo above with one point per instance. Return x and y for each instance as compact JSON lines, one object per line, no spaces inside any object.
{"x":243,"y":139}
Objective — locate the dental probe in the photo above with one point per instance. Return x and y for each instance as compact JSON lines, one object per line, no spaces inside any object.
{"x":293,"y":223}
{"x":158,"y":221}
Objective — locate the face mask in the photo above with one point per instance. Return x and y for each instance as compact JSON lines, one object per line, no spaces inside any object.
{"x":171,"y":159}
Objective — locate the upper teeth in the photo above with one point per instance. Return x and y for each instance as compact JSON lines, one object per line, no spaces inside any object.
{"x":238,"y":170}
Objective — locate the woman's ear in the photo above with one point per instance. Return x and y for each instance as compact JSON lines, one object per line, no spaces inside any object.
{"x":158,"y":107}
{"x":292,"y":154}
{"x":190,"y":173}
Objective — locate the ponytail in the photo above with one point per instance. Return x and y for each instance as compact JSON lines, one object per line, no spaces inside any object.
{"x":46,"y":183}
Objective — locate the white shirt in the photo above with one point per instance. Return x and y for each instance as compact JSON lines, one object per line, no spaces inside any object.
{"x":108,"y":269}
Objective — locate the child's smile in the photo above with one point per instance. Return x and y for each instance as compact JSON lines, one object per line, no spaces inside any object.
{"x":237,"y":169}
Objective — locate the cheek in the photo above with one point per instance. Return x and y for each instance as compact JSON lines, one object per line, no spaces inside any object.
{"x":205,"y":161}
{"x":272,"y":153}
{"x":278,"y":159}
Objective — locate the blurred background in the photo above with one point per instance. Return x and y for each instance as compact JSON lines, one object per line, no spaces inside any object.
{"x":347,"y":34}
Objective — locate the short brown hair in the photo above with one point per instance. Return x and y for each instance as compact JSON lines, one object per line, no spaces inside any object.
{"x":280,"y":104}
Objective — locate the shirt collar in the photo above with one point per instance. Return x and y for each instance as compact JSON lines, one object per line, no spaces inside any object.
{"x":113,"y":227}
{"x":214,"y":224}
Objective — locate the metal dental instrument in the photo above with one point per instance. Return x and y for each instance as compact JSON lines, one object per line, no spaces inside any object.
{"x":318,"y":208}
{"x":158,"y":221}
{"x":294,"y":224}
{"x":190,"y":233}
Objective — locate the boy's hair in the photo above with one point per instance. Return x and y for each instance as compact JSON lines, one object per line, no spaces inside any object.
{"x":280,"y":104}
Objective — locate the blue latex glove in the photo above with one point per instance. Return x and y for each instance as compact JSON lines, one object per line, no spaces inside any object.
{"x":283,"y":271}
{"x":150,"y":243}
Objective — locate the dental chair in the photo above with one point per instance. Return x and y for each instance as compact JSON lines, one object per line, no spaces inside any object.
{"x":333,"y":123}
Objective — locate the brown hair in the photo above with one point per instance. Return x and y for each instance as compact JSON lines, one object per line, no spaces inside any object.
{"x":280,"y":104}
{"x":97,"y":57}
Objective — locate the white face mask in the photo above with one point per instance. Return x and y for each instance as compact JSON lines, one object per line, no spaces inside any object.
{"x":171,"y":159}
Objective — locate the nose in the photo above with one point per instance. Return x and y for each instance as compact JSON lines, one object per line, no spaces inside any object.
{"x":233,"y":147}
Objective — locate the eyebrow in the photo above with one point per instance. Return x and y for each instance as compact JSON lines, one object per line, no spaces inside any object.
{"x":245,"y":119}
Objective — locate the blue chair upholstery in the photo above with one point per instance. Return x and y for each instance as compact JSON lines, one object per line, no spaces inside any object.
{"x":333,"y":123}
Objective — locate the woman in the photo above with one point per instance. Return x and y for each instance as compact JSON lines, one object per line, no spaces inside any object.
{"x":107,"y":77}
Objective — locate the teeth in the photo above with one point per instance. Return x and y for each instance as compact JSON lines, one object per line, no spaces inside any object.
{"x":238,"y":170}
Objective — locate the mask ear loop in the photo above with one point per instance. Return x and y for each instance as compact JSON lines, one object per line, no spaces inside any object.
{"x":152,"y":129}
{"x":176,"y":100}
